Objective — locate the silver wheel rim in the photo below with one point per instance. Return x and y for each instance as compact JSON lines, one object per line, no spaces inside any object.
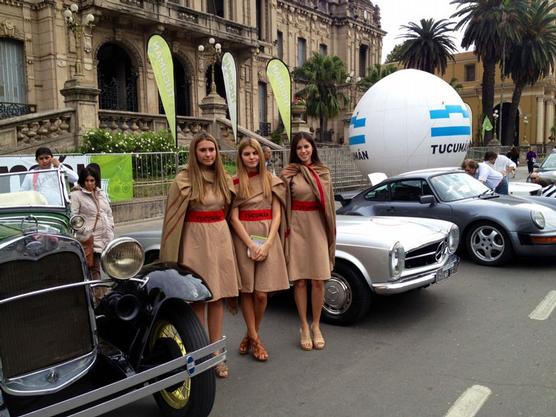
{"x":488,"y":243}
{"x":337,"y":295}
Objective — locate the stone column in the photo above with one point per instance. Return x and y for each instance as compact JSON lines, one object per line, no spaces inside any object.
{"x":549,"y":122}
{"x":84,"y":99}
{"x":540,"y":119}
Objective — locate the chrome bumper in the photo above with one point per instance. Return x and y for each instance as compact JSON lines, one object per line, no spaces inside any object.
{"x":446,"y":270}
{"x":138,"y":386}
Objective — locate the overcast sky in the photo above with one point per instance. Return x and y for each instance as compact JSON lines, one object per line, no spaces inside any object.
{"x":395,"y":13}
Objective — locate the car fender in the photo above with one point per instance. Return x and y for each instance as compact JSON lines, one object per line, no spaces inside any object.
{"x":344,"y":256}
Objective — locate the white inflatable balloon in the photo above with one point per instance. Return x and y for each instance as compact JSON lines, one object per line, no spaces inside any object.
{"x":409,"y":120}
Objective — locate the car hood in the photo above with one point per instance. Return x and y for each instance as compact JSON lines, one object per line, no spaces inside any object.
{"x":384,"y":232}
{"x":520,"y":206}
{"x":14,"y":225}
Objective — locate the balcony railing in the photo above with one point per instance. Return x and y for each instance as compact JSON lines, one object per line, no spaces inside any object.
{"x":8,"y":110}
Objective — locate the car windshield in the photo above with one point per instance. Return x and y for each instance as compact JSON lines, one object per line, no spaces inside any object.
{"x":549,"y":163}
{"x":31,"y":189}
{"x":457,"y":186}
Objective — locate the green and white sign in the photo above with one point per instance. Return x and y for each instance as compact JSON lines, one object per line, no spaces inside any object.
{"x":230,"y":83}
{"x":160,"y":58}
{"x":278,"y":75}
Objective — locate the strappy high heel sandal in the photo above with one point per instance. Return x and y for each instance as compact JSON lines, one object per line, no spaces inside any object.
{"x":258,"y":350}
{"x":221,"y":370}
{"x":244,"y":345}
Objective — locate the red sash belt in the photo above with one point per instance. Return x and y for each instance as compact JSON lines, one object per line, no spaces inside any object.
{"x":305,"y":205}
{"x":255,"y":215}
{"x":205,"y":216}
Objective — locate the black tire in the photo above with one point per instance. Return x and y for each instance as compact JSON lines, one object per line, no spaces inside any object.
{"x":488,"y":244}
{"x":175,"y":401}
{"x":347,"y":296}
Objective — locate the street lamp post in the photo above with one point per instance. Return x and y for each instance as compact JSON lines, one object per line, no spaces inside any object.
{"x":495,"y":116}
{"x":77,"y":26}
{"x":526,"y":123}
{"x":212,"y":52}
{"x":353,"y":82}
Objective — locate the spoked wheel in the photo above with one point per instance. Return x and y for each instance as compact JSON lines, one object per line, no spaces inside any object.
{"x":346,"y":296}
{"x":488,"y":244}
{"x":172,"y":336}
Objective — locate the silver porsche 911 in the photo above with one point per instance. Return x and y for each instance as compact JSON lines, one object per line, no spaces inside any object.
{"x":374,"y":255}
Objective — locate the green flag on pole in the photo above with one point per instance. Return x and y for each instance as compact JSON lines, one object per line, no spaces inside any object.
{"x":163,"y":68}
{"x":487,"y":126}
{"x":279,"y":77}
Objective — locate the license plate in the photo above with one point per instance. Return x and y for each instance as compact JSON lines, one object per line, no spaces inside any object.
{"x":446,"y":271}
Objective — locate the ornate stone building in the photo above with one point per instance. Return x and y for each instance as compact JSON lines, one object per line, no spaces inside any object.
{"x":49,"y":47}
{"x":536,"y":116}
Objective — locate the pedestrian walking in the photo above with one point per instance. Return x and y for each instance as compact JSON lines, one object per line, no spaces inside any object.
{"x":531,"y":158}
{"x":311,"y":233}
{"x":195,"y":231}
{"x":255,"y":218}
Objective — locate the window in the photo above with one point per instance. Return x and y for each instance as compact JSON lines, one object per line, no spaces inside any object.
{"x":280,"y":45}
{"x":301,"y":51}
{"x":12,"y":72}
{"x":323,"y":49}
{"x":469,"y":72}
{"x":363,"y":52}
{"x":406,"y":190}
{"x":215,"y":7}
{"x":381,"y":193}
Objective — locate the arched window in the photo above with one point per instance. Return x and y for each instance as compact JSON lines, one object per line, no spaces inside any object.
{"x":182,"y":83}
{"x":117,"y":79}
{"x":13,"y":90}
{"x":215,"y":7}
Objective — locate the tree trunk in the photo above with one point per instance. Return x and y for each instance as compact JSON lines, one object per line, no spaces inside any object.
{"x":488,"y":96}
{"x":516,"y":97}
{"x":322,"y":125}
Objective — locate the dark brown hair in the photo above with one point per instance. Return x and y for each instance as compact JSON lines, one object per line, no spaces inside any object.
{"x":85,"y":172}
{"x":293,"y":148}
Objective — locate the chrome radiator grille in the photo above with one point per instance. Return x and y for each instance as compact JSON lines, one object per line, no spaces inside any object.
{"x":40,"y":331}
{"x":426,"y":255}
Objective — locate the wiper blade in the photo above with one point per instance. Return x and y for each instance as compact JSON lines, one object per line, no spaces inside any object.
{"x":488,"y":194}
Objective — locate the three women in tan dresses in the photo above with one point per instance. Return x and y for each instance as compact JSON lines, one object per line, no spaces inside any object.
{"x":256,"y":217}
{"x":195,"y":231}
{"x":311,"y":233}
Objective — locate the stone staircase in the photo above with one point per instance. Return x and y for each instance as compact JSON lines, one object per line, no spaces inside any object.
{"x":345,"y":173}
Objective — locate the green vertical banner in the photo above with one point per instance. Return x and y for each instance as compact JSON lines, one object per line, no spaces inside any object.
{"x":160,"y":58}
{"x":229,"y":74}
{"x":116,"y":170}
{"x":278,"y":75}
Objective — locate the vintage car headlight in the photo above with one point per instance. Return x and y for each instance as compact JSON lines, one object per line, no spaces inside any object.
{"x":77,"y":222}
{"x":453,"y":239}
{"x":397,"y":260}
{"x":538,"y":219}
{"x":123,"y":258}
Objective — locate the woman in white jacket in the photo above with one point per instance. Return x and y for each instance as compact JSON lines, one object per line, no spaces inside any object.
{"x":90,"y":202}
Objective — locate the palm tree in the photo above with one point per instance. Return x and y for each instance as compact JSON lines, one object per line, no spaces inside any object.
{"x":533,"y":57}
{"x":427,"y":46}
{"x":394,"y":55}
{"x":490,"y":25}
{"x":376,"y":73}
{"x":321,"y":75}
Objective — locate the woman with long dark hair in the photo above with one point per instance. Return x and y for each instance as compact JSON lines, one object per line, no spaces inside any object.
{"x":311,"y":233}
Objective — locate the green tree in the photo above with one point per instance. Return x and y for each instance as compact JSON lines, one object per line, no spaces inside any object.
{"x":490,"y":25}
{"x":321,"y":75}
{"x":394,"y":55}
{"x":428,"y":45}
{"x":532,"y":58}
{"x":376,"y":73}
{"x":456,"y":85}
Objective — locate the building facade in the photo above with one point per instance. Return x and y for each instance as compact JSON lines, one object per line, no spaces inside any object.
{"x":103,"y":44}
{"x":535,"y":121}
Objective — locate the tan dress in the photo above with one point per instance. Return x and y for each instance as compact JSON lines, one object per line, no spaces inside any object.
{"x":205,"y":242}
{"x":270,"y":274}
{"x":308,"y":242}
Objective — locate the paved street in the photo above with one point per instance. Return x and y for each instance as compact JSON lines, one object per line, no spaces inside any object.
{"x":413,"y":355}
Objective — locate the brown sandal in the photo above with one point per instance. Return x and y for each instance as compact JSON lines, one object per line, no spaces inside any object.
{"x":258,"y":351}
{"x":221,"y":370}
{"x":305,"y":340}
{"x":244,"y":345}
{"x":318,"y":340}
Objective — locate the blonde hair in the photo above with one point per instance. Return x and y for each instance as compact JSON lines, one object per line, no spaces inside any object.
{"x":242,"y":174}
{"x":198,"y":185}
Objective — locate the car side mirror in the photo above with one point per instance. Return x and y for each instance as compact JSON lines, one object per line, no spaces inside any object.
{"x":536,"y":166}
{"x":427,"y":199}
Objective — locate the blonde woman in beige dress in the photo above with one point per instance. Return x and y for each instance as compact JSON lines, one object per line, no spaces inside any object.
{"x":311,"y":233}
{"x":195,"y":232}
{"x":256,"y":216}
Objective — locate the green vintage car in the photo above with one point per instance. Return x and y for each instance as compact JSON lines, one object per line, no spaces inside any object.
{"x":60,"y":354}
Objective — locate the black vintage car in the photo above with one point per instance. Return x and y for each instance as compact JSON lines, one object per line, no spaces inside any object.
{"x":61,"y":355}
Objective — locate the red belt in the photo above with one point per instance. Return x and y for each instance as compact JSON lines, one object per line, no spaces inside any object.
{"x":205,"y":216}
{"x":305,"y":205}
{"x":255,"y":215}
